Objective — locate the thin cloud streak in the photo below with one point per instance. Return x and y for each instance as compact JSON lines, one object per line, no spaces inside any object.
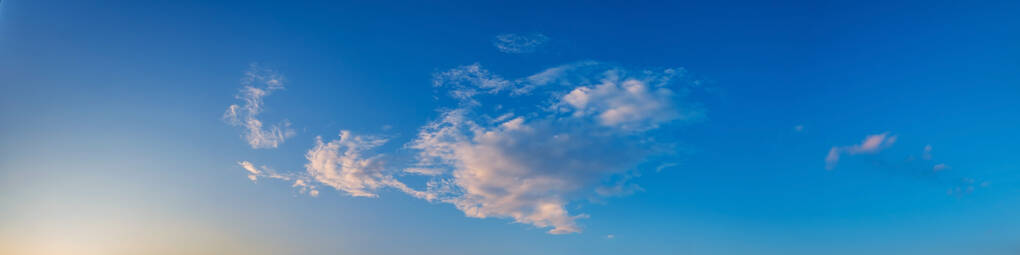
{"x":870,"y":145}
{"x":518,"y":43}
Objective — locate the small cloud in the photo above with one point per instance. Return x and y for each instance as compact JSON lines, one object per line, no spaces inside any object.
{"x":798,"y":128}
{"x":926,"y":155}
{"x":665,"y":165}
{"x":940,"y":167}
{"x":424,"y":171}
{"x":610,"y":236}
{"x":871,"y":144}
{"x":300,"y":181}
{"x":249,"y":167}
{"x":518,"y":43}
{"x":966,"y":186}
{"x":832,"y":158}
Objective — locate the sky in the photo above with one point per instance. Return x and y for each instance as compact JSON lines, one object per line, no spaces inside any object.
{"x":526,"y":127}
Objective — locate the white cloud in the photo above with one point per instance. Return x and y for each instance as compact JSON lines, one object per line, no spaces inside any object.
{"x":524,"y":171}
{"x":531,"y":167}
{"x":519,"y":44}
{"x":870,"y":145}
{"x":347,"y":165}
{"x":258,"y":83}
{"x":632,"y":103}
{"x":341,"y":164}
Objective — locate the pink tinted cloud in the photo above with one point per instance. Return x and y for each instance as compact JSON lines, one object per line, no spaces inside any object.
{"x":870,"y":145}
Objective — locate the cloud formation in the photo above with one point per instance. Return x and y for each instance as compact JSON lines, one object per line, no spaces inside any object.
{"x":530,"y":167}
{"x":258,"y":83}
{"x":518,"y":43}
{"x":870,"y":145}
{"x":575,"y":132}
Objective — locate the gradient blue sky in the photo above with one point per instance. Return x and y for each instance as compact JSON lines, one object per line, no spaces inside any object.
{"x":113,"y":138}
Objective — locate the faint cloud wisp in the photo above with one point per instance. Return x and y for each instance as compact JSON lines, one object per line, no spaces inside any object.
{"x":258,"y":83}
{"x":518,"y":43}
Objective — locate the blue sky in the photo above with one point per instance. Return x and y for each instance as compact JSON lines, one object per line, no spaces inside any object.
{"x":268,"y":127}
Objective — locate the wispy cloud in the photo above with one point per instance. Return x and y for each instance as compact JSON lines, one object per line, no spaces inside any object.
{"x":258,"y":83}
{"x":300,"y":181}
{"x":871,"y":144}
{"x":519,"y":43}
{"x":465,"y":82}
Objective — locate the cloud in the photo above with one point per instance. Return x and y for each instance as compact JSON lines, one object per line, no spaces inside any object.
{"x":519,"y":44}
{"x":348,"y":165}
{"x":300,"y":181}
{"x":870,"y":145}
{"x":575,"y":132}
{"x":956,"y":182}
{"x":345,"y":164}
{"x":531,"y":167}
{"x":965,"y":186}
{"x":632,"y":103}
{"x":798,"y":128}
{"x":940,"y":167}
{"x":464,"y":82}
{"x":252,"y":170}
{"x":341,"y":164}
{"x":258,"y":83}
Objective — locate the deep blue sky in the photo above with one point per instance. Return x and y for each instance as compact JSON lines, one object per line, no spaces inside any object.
{"x":112,"y":129}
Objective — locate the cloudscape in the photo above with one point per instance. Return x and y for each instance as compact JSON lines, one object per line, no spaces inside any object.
{"x":354,"y":127}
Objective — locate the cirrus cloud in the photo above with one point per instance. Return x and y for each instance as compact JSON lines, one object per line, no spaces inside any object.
{"x":258,"y":83}
{"x":519,"y":43}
